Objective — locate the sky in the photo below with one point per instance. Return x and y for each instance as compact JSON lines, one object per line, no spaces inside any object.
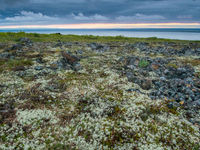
{"x":99,"y":13}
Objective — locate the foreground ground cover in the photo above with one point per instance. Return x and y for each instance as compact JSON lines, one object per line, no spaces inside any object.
{"x":85,"y":92}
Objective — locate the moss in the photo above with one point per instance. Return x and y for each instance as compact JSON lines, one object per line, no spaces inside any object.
{"x":3,"y":138}
{"x":57,"y":84}
{"x":196,"y":146}
{"x":36,"y":95}
{"x":110,"y":94}
{"x":2,"y":62}
{"x":172,"y":65}
{"x":156,"y":110}
{"x":102,"y":74}
{"x":194,"y":62}
{"x":76,"y":76}
{"x":13,"y":63}
{"x":152,"y":128}
{"x":22,"y":62}
{"x":120,"y":137}
{"x":59,"y":146}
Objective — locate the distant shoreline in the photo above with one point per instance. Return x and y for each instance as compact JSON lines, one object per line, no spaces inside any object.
{"x":57,"y":36}
{"x":166,"y":33}
{"x":106,"y":29}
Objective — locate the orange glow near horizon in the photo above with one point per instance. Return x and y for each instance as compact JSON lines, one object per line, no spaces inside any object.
{"x":107,"y":26}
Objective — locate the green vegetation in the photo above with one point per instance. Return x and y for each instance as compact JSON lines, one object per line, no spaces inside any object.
{"x":172,"y":65}
{"x":14,"y":63}
{"x":9,"y":36}
{"x":194,"y":62}
{"x":20,"y":62}
{"x":143,"y":64}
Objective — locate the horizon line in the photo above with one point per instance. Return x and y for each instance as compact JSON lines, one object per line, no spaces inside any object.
{"x":105,"y":26}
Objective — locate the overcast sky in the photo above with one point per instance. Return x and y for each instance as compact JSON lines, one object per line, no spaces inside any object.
{"x":43,"y":12}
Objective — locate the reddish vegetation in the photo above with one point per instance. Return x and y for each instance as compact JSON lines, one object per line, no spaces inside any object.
{"x":69,"y":58}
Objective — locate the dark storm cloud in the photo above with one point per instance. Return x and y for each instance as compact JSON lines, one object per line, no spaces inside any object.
{"x":81,"y":11}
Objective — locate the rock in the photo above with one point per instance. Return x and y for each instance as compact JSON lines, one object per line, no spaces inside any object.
{"x":98,"y":47}
{"x":190,"y":114}
{"x":5,"y":55}
{"x":25,"y":40}
{"x":143,"y":73}
{"x":79,"y":52}
{"x":166,"y":71}
{"x":130,"y":76}
{"x":93,"y":45}
{"x":166,"y":49}
{"x":2,"y":45}
{"x":133,"y":61}
{"x":19,"y":68}
{"x":77,"y":67}
{"x":59,"y":44}
{"x":58,"y":33}
{"x":67,"y":62}
{"x":16,"y":47}
{"x":163,"y":79}
{"x":43,"y":73}
{"x":40,"y":60}
{"x":21,"y":74}
{"x":62,"y":64}
{"x":196,"y":103}
{"x":146,"y":84}
{"x":39,"y":68}
{"x":197,"y":83}
{"x":134,"y":90}
{"x":188,"y":53}
{"x":173,"y":105}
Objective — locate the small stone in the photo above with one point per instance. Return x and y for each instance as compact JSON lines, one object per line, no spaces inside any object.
{"x":166,"y":71}
{"x":163,"y":79}
{"x":40,"y":60}
{"x":5,"y":55}
{"x":134,"y":90}
{"x":79,"y":52}
{"x":197,"y":83}
{"x":39,"y":68}
{"x":77,"y":66}
{"x":21,"y":73}
{"x":129,"y":75}
{"x":196,"y":103}
{"x":98,"y":47}
{"x":190,"y":114}
{"x":173,"y":105}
